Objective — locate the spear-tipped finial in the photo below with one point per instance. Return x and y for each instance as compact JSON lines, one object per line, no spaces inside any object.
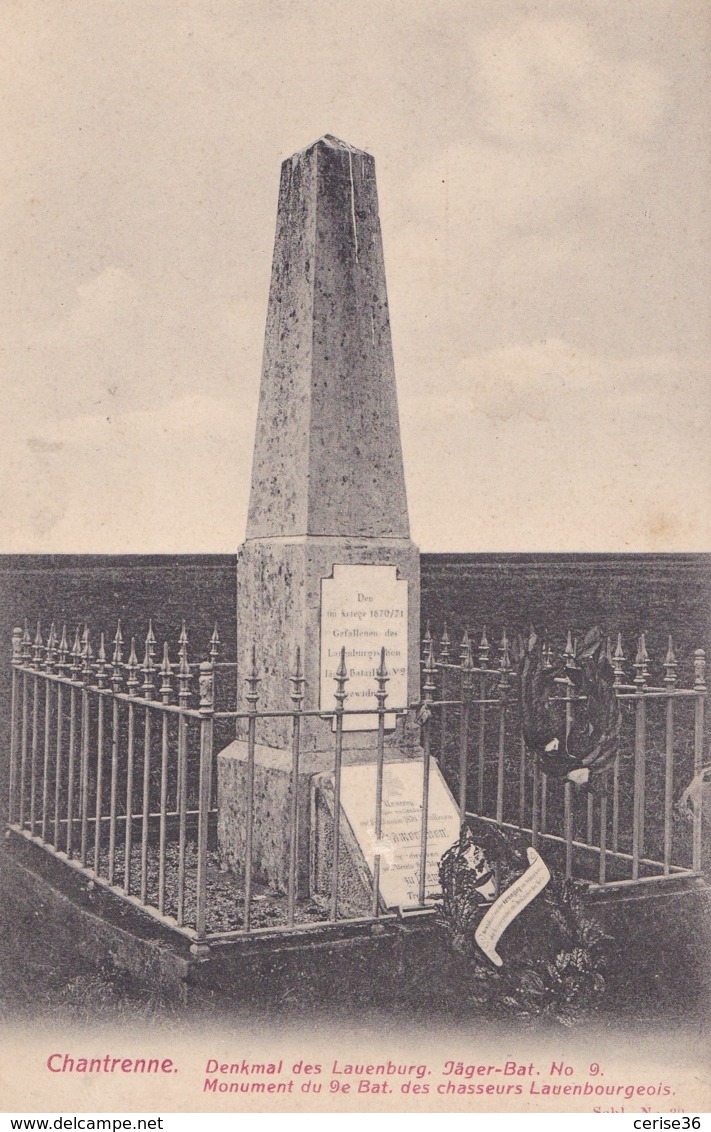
{"x":214,"y":644}
{"x":670,"y":665}
{"x":101,"y":665}
{"x":26,"y":641}
{"x":382,"y":676}
{"x":166,"y":672}
{"x":63,"y":649}
{"x":640,"y":663}
{"x":117,"y":660}
{"x":426,"y":642}
{"x":87,"y":654}
{"x":618,"y":663}
{"x":429,"y":671}
{"x":76,"y":653}
{"x":118,"y":645}
{"x":37,"y":647}
{"x":484,"y":649}
{"x":183,"y":668}
{"x":464,"y":647}
{"x":297,"y":681}
{"x":444,"y":646}
{"x":467,"y":665}
{"x":504,"y":664}
{"x":253,"y":681}
{"x":51,"y":650}
{"x":151,"y":642}
{"x":132,"y":684}
{"x":148,"y":667}
{"x":569,"y":651}
{"x":341,"y":679}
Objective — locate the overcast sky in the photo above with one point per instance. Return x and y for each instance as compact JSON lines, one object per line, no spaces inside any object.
{"x":543,"y":172}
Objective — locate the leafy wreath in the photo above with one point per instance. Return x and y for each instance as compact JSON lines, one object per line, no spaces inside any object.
{"x":583,"y":749}
{"x":554,"y":951}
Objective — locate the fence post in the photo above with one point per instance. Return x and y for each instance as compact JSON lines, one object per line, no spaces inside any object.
{"x":339,"y":695}
{"x":25,"y":657}
{"x":503,"y":690}
{"x":214,"y":652}
{"x":618,"y":665}
{"x":74,"y":672}
{"x":604,"y":794}
{"x":426,"y":642}
{"x":443,"y":662}
{"x":547,"y":658}
{"x":467,"y":673}
{"x":426,"y":716}
{"x":182,"y":784}
{"x":207,"y":708}
{"x":483,"y":661}
{"x":63,"y":651}
{"x":700,"y":689}
{"x":165,"y":695}
{"x":132,"y":685}
{"x":36,"y":662}
{"x":148,"y":690}
{"x":101,"y":679}
{"x":602,"y":873}
{"x":86,"y":675}
{"x":297,"y":696}
{"x":14,"y":722}
{"x":251,"y":697}
{"x":116,"y":682}
{"x":381,"y":694}
{"x":49,"y":659}
{"x":670,"y":678}
{"x":640,"y":756}
{"x":569,"y":655}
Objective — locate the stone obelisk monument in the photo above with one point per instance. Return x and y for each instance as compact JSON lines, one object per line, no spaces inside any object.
{"x":327,"y":561}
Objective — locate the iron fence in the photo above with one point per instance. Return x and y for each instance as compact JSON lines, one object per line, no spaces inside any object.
{"x":112,"y":771}
{"x":628,"y":830}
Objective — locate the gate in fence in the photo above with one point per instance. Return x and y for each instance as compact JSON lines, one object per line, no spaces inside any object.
{"x":113,"y":772}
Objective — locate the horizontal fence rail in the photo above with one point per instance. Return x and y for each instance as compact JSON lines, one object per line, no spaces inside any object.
{"x":113,"y":772}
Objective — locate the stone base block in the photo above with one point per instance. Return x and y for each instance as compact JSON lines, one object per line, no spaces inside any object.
{"x":355,"y":883}
{"x":272,"y":802}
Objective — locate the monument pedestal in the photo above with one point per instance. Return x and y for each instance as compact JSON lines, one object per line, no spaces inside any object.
{"x":272,"y":808}
{"x":317,"y":595}
{"x":327,"y":563}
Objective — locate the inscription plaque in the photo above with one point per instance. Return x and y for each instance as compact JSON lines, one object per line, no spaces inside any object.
{"x":401,"y":838}
{"x":364,"y":609}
